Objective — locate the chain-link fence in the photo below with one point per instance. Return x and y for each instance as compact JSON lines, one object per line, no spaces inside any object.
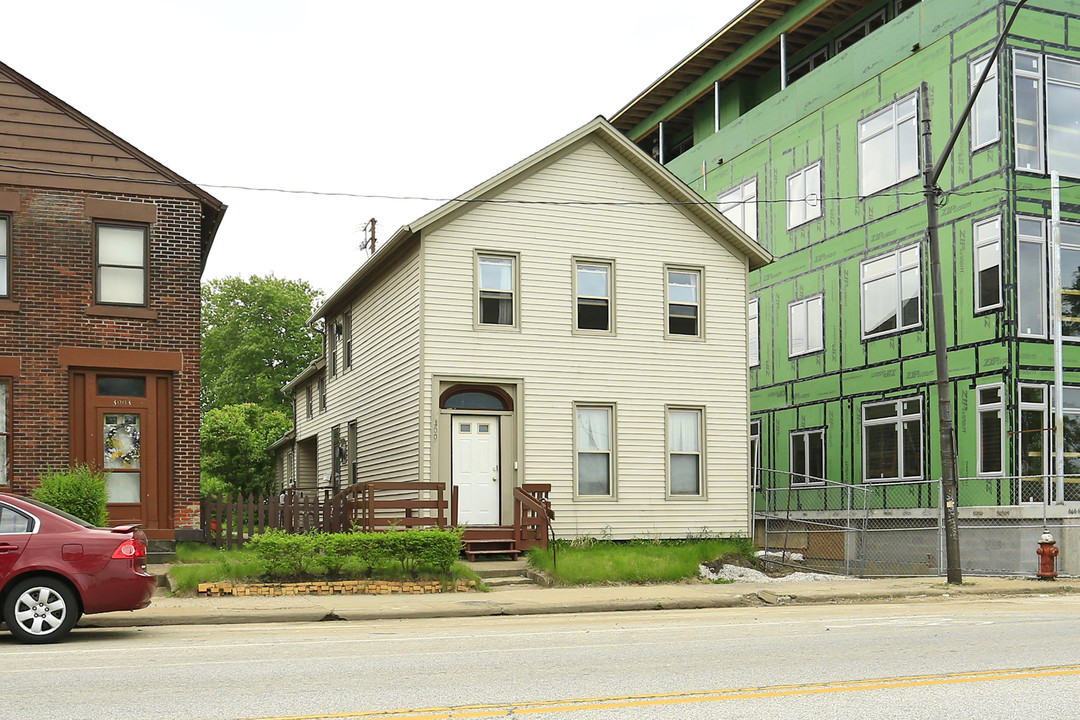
{"x":897,"y":529}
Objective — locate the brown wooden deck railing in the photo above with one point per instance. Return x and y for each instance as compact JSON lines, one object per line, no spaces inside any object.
{"x":532,"y":515}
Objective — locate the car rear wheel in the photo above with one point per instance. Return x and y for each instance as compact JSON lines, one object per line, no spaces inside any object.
{"x":40,"y":610}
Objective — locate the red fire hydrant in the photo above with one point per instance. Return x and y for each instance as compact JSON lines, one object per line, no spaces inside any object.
{"x":1047,"y":553}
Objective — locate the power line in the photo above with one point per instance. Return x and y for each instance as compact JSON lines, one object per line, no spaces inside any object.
{"x":489,"y":201}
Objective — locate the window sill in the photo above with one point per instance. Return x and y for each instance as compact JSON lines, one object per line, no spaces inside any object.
{"x":9,"y":306}
{"x":119,"y":311}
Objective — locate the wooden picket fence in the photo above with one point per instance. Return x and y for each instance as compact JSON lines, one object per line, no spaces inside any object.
{"x":228,"y":521}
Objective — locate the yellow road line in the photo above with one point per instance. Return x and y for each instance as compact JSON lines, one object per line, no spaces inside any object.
{"x":752,"y":693}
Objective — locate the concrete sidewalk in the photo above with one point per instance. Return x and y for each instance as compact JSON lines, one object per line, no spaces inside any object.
{"x":535,"y":600}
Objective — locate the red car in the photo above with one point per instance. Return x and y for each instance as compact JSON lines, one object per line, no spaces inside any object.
{"x":55,"y":567}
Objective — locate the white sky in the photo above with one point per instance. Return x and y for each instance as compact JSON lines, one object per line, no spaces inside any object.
{"x":396,"y":97}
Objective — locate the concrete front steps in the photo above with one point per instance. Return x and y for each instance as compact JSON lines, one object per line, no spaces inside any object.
{"x":501,"y":573}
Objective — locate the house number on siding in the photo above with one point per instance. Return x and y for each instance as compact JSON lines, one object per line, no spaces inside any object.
{"x":434,"y":429}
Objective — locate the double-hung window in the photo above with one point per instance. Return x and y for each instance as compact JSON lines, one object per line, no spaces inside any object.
{"x":684,"y":452}
{"x":888,"y":146}
{"x":5,"y":432}
{"x":5,"y":256}
{"x":121,"y":264}
{"x":594,"y":454}
{"x":807,"y":457}
{"x":593,"y":296}
{"x":805,"y":331}
{"x":333,"y":336}
{"x":753,"y":333}
{"x":892,"y":440}
{"x":346,"y":325}
{"x":309,"y":412}
{"x":804,"y":195}
{"x":1027,"y":111}
{"x":987,"y":264}
{"x":1033,"y":441}
{"x":991,"y":409}
{"x":496,"y":282}
{"x":984,"y":113}
{"x":740,"y":207}
{"x":322,"y":395}
{"x":683,"y":302}
{"x":755,"y":454}
{"x":890,"y":292}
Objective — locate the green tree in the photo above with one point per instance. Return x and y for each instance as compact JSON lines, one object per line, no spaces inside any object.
{"x":235,"y":446}
{"x":255,"y":338}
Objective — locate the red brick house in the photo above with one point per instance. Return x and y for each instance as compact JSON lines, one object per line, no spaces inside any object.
{"x":101,"y":253}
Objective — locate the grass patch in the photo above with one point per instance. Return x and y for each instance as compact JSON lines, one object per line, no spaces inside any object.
{"x":198,"y":563}
{"x":606,"y":561}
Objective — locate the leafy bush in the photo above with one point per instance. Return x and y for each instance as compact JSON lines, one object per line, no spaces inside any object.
{"x":284,"y":555}
{"x":79,"y":490}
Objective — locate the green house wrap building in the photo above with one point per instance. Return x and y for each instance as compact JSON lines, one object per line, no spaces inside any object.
{"x":803,"y":122}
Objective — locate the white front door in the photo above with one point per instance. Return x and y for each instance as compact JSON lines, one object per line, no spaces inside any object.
{"x":475,"y":468}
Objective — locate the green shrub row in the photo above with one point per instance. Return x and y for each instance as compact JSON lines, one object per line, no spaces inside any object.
{"x":79,"y":490}
{"x":285,"y":555}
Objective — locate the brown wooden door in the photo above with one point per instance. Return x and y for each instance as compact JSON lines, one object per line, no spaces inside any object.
{"x":122,"y":424}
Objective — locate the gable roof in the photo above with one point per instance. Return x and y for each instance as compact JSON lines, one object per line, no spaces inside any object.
{"x":667,"y":185}
{"x":47,"y":143}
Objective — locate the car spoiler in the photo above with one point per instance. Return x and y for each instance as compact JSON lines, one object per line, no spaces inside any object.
{"x":124,"y":528}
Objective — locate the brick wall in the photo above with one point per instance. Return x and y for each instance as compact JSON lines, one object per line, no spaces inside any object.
{"x":52,"y":284}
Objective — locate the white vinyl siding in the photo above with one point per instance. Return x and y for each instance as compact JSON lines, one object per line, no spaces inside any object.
{"x":556,"y":367}
{"x":888,"y":146}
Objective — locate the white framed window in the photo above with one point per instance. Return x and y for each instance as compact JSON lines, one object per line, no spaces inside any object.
{"x":860,"y":31}
{"x":594,"y":456}
{"x":804,"y":195}
{"x":990,"y":404}
{"x":985,"y":123}
{"x":755,"y":454}
{"x":816,"y":60}
{"x":753,"y":333}
{"x":684,"y":303}
{"x":346,"y":328}
{"x":1033,"y":442}
{"x":593,"y":306}
{"x":890,"y":287}
{"x":805,"y":330}
{"x":888,"y":146}
{"x":1027,"y":111}
{"x":807,"y":457}
{"x":121,"y":264}
{"x":5,"y":432}
{"x":740,"y":207}
{"x":5,"y":256}
{"x":987,"y":243}
{"x":496,"y":280}
{"x":684,"y":452}
{"x":1070,"y":281}
{"x":333,"y":337}
{"x":892,"y":440}
{"x":1031,"y":277}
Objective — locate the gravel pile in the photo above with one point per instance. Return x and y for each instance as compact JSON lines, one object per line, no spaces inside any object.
{"x":743,"y":574}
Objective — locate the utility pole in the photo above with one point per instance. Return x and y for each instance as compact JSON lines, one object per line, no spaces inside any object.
{"x":931,"y":173}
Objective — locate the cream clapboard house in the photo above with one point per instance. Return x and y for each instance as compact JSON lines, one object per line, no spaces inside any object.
{"x":579,"y":320}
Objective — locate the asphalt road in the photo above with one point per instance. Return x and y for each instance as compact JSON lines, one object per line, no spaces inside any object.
{"x":1018,"y":657}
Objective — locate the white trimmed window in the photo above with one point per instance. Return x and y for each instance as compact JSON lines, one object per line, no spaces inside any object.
{"x":888,"y":146}
{"x":121,"y":264}
{"x":1053,"y":83}
{"x":1033,"y":441}
{"x":892,"y":440}
{"x":807,"y":457}
{"x":1027,"y":111}
{"x":5,"y":433}
{"x":495,"y":283}
{"x":890,"y":292}
{"x":594,"y":457}
{"x":5,"y":257}
{"x":804,"y":195}
{"x":684,"y":452}
{"x":753,"y":333}
{"x":755,"y":454}
{"x":987,"y":264}
{"x":1031,"y":277}
{"x":740,"y":207}
{"x":683,"y":301}
{"x":985,"y":125}
{"x":805,"y":332}
{"x":860,"y":31}
{"x":592,"y":296}
{"x":991,"y":432}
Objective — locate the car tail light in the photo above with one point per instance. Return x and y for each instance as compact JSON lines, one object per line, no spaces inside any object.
{"x":129,"y":550}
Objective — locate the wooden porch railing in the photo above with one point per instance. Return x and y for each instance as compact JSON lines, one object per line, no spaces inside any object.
{"x":359,"y":506}
{"x":230,"y":520}
{"x":532,"y":515}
